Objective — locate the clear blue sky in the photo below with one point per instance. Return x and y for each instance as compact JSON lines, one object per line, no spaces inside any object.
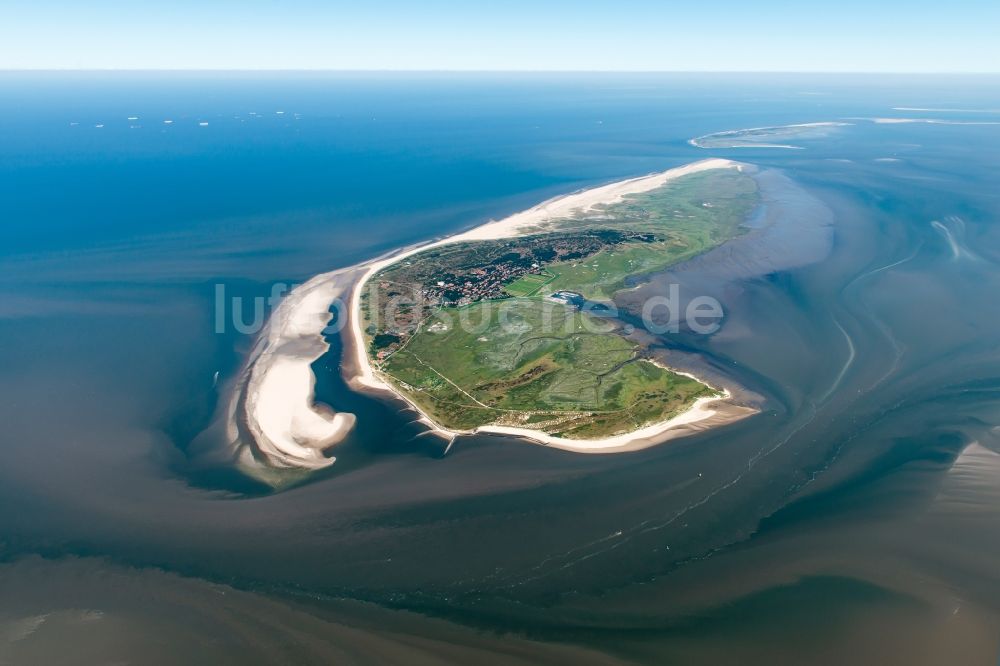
{"x":669,"y":35}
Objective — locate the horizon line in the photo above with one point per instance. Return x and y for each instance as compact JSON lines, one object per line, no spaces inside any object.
{"x":332,"y":70}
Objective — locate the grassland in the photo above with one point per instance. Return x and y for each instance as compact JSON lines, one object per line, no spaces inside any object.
{"x":692,"y":215}
{"x":511,"y":357}
{"x":528,"y":361}
{"x":530,"y":284}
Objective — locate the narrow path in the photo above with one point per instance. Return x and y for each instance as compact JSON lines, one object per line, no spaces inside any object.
{"x":460,"y":389}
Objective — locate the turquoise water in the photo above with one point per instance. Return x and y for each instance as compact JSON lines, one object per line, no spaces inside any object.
{"x":853,"y":519}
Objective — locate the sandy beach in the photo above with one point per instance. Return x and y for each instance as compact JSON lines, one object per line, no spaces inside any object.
{"x":738,"y":134}
{"x":929,"y":121}
{"x":705,"y":413}
{"x":291,"y":430}
{"x":288,"y":427}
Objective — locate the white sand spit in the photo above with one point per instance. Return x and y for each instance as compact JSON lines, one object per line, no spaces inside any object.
{"x":289,"y":428}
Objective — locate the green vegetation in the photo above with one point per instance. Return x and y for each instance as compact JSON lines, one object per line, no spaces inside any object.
{"x":467,"y":333}
{"x":531,"y":362}
{"x":530,"y":284}
{"x":688,"y":217}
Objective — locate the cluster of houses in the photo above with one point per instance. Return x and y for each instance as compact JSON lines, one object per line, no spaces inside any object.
{"x":457,"y":283}
{"x":479,"y":284}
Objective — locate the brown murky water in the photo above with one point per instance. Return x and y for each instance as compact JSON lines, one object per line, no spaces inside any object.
{"x":855,"y":520}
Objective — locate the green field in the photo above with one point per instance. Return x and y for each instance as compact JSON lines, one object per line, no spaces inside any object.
{"x":522,"y":360}
{"x":690,"y":216}
{"x":530,"y":361}
{"x":530,"y":284}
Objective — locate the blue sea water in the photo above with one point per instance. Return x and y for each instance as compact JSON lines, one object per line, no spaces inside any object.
{"x":117,"y":229}
{"x":400,"y":157}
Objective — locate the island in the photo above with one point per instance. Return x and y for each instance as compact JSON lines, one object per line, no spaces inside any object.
{"x":768,"y":137}
{"x":510,"y":328}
